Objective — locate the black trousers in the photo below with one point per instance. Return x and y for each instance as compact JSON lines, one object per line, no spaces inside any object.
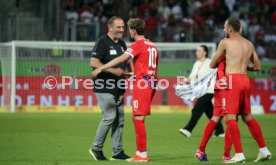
{"x":203,"y":105}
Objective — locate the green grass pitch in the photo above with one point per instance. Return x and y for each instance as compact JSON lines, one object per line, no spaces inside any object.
{"x":65,"y":138}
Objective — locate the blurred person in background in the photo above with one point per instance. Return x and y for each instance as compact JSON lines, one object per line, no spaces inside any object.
{"x":203,"y":104}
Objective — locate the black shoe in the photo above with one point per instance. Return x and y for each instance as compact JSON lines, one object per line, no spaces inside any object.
{"x":120,"y":156}
{"x":97,"y":155}
{"x":222,"y":135}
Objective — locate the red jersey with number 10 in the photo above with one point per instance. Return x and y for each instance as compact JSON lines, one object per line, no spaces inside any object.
{"x":145,"y":58}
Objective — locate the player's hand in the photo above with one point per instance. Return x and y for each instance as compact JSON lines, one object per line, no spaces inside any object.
{"x":223,"y":82}
{"x":127,"y":74}
{"x":96,"y":72}
{"x":250,"y":67}
{"x":120,"y":72}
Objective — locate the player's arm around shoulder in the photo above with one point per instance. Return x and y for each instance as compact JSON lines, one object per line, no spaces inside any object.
{"x":123,"y":58}
{"x":96,"y":63}
{"x":218,"y":54}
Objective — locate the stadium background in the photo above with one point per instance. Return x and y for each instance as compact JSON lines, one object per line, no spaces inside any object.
{"x":168,"y":21}
{"x":48,"y":138}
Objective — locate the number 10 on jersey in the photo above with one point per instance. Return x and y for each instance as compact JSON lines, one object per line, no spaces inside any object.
{"x":152,"y":57}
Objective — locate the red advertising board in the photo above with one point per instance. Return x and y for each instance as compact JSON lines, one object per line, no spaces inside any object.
{"x":72,"y":92}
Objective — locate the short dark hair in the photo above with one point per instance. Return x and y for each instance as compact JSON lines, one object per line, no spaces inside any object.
{"x":111,"y":20}
{"x":234,"y":23}
{"x":205,"y":48}
{"x":138,"y":24}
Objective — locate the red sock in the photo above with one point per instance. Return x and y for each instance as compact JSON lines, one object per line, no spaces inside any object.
{"x":209,"y":128}
{"x":234,"y":132}
{"x":140,"y":129}
{"x":256,"y":132}
{"x":227,"y":143}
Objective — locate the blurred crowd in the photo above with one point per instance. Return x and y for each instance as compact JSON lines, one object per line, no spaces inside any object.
{"x":184,"y":20}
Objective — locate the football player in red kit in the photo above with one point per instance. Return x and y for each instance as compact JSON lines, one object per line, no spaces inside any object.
{"x":236,"y":100}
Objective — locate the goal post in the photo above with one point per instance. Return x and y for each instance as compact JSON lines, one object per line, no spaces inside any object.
{"x":25,"y":66}
{"x":13,"y":77}
{"x":8,"y":76}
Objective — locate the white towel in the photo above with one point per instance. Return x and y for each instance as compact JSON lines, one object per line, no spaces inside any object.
{"x":196,"y":88}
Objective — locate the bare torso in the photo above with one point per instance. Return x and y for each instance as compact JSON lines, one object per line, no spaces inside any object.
{"x":238,"y":53}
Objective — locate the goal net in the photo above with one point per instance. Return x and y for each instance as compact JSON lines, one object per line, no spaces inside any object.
{"x":50,"y":76}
